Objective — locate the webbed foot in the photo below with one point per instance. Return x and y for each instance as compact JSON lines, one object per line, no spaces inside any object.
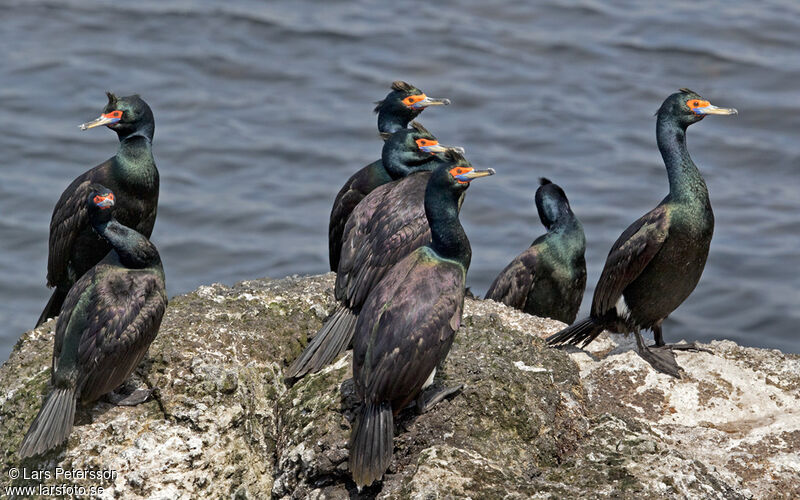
{"x":428,"y":399}
{"x":120,"y":398}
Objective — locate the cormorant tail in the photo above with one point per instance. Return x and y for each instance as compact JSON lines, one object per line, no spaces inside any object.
{"x":332,"y":339}
{"x":584,"y":331}
{"x":53,"y":306}
{"x":52,"y":425}
{"x":371,"y":443}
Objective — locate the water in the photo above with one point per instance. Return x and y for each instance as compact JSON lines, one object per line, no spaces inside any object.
{"x":263,"y":109}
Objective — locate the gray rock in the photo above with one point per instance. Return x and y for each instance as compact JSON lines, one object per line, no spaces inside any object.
{"x":531,"y":422}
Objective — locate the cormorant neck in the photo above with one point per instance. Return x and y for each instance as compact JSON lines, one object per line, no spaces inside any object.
{"x":448,"y":237}
{"x":134,"y":250}
{"x":404,"y":164}
{"x":389,"y":122}
{"x":685,"y":181}
{"x":567,"y":233}
{"x":134,"y":161}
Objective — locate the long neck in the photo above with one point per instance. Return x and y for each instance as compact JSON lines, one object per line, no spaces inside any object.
{"x":135,"y":162}
{"x":685,"y":181}
{"x":391,"y":122}
{"x":448,"y":237}
{"x":134,"y":250}
{"x":567,"y":234}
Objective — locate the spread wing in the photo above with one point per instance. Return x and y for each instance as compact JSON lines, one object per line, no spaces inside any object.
{"x":385,"y":227}
{"x":629,"y":256}
{"x":514,"y":283}
{"x":407,"y":326}
{"x":116,"y":319}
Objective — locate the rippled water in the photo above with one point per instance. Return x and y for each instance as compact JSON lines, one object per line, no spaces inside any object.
{"x":263,"y":109}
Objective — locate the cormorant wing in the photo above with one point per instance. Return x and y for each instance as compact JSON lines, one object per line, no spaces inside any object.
{"x":514,"y":283}
{"x":385,"y":227}
{"x":407,"y":325}
{"x":120,"y":319}
{"x":69,"y":216}
{"x":629,"y":256}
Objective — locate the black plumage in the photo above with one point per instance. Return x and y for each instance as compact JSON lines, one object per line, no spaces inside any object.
{"x":408,"y":323}
{"x":385,"y":227}
{"x":657,"y":262}
{"x":108,"y":320}
{"x":74,"y":246}
{"x":549,"y":278}
{"x":404,"y":103}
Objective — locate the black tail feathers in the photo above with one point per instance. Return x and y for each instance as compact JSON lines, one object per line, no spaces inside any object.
{"x":371,"y":443}
{"x":53,"y":306}
{"x":332,"y":339}
{"x":581,"y":332}
{"x":52,"y":425}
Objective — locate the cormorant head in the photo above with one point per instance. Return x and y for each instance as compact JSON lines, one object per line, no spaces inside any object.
{"x":551,"y":202}
{"x":456,"y":173}
{"x":687,"y":107}
{"x":125,"y":116}
{"x":411,"y":149}
{"x":406,"y":102}
{"x":100,"y":203}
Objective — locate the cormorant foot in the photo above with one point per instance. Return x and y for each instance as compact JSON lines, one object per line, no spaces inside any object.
{"x":684,"y":346}
{"x":660,"y":358}
{"x":134,"y":398}
{"x":434,"y":396}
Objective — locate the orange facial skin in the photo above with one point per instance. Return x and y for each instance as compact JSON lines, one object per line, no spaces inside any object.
{"x":697,"y":103}
{"x":413,"y":99}
{"x":98,"y":199}
{"x":457,"y":171}
{"x":114,"y":114}
{"x":422,"y":144}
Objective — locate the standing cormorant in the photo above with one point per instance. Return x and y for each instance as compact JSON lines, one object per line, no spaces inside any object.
{"x":657,"y":262}
{"x":388,"y":225}
{"x":408,"y":323}
{"x":404,"y":103}
{"x":74,"y":246}
{"x":549,"y":278}
{"x":109,"y":318}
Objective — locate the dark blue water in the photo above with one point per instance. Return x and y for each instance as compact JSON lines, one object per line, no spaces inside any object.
{"x":263,"y":109}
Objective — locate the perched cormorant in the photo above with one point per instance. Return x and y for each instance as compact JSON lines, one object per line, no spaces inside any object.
{"x":407,"y":325}
{"x":549,"y":278}
{"x":657,"y":262}
{"x":109,"y":318}
{"x":388,"y":225}
{"x":74,"y":247}
{"x":404,"y":103}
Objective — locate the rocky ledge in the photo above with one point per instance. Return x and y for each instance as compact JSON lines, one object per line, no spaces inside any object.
{"x":530,"y":422}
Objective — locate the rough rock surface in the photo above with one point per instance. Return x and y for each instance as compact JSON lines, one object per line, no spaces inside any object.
{"x":531,"y":422}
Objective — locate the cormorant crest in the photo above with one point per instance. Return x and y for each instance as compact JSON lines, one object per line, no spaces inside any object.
{"x":419,"y":128}
{"x":111,"y":97}
{"x":543,"y":181}
{"x":454,"y":156}
{"x":402,"y":86}
{"x":687,"y":91}
{"x":385,"y":135}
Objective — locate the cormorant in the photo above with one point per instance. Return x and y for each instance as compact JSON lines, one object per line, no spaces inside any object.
{"x":657,"y":262}
{"x":404,"y":103}
{"x":384,"y":228}
{"x":74,"y":246}
{"x":109,"y":318}
{"x":549,"y":278}
{"x":408,"y":323}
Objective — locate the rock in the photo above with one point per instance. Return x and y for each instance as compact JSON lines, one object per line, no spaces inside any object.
{"x":530,"y":422}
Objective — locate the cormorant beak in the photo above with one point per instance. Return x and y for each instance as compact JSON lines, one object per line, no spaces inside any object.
{"x":713,"y":110}
{"x":438,"y":148}
{"x":474,"y":174}
{"x":429,"y":101}
{"x":104,"y":119}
